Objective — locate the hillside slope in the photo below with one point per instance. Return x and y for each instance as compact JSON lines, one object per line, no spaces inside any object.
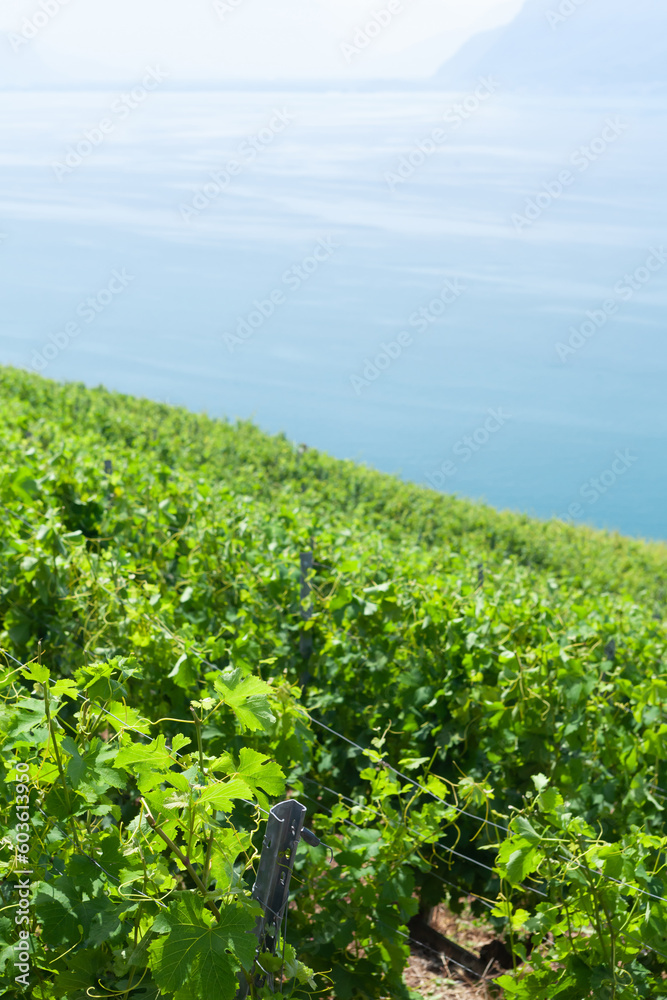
{"x":151,"y":564}
{"x":272,"y":468}
{"x":605,"y":45}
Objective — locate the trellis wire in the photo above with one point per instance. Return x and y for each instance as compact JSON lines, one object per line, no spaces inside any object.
{"x":404,"y":777}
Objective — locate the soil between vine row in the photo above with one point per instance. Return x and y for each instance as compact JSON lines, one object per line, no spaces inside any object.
{"x":426,"y":974}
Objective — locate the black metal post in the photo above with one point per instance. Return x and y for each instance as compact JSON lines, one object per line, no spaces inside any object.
{"x":271,"y":889}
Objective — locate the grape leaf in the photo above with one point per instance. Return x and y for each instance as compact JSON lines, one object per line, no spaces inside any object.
{"x":203,"y":956}
{"x":256,"y":769}
{"x":222,"y":795}
{"x":247,"y":697}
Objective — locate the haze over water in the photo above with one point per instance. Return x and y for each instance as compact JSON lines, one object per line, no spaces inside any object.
{"x":580,"y":428}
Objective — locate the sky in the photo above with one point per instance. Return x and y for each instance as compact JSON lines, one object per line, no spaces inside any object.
{"x":218,"y":40}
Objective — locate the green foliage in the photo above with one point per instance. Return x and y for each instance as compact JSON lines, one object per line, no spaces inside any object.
{"x":606,"y":906}
{"x":158,"y":606}
{"x":199,"y":948}
{"x":137,"y":862}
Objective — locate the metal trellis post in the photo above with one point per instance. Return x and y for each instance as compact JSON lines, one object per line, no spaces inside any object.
{"x":283,"y":832}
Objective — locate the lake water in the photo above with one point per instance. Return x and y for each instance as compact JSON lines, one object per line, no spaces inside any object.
{"x":266,"y":292}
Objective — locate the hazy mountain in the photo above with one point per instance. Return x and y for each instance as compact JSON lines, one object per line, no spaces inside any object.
{"x":569,"y":45}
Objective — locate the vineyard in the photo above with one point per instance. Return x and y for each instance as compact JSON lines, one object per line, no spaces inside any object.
{"x":199,"y":621}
